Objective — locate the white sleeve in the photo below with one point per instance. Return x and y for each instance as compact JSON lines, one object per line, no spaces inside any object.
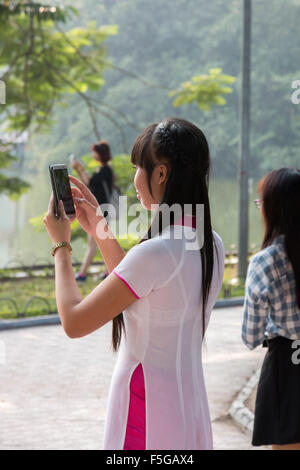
{"x":146,"y":267}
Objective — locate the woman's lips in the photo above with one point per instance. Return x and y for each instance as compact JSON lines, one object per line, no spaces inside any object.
{"x":137,"y":195}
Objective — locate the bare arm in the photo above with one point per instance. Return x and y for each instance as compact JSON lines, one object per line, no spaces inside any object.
{"x":81,"y":316}
{"x":66,"y":288}
{"x":83,"y":175}
{"x":110,"y":248}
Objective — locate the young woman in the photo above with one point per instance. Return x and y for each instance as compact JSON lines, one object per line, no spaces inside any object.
{"x":272,"y":311}
{"x":100,"y":184}
{"x":164,"y":290}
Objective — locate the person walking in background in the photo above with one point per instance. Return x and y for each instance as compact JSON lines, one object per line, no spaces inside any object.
{"x":100,"y":183}
{"x":272,"y":311}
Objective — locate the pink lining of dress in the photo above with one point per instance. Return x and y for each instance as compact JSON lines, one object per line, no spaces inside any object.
{"x":135,"y":438}
{"x":187,"y":219}
{"x":126,"y":283}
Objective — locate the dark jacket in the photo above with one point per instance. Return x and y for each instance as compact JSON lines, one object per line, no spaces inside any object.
{"x":96,"y":183}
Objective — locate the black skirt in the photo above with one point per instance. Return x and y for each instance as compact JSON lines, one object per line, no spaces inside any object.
{"x":277,"y":406}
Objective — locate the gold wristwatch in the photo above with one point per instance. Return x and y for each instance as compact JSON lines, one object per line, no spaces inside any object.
{"x":58,"y":245}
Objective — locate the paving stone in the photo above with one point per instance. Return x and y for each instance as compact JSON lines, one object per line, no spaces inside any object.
{"x":54,"y":389}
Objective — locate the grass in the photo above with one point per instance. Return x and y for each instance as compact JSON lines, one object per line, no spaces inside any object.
{"x":40,"y":291}
{"x":37,"y":296}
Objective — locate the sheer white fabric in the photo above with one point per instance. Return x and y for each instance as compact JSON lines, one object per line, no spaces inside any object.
{"x":164,"y":334}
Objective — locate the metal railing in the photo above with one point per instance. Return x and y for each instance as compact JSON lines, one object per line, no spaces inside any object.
{"x":22,"y":271}
{"x":42,"y":269}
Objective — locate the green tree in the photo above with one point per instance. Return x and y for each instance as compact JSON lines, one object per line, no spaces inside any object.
{"x":168,"y":42}
{"x":205,"y":90}
{"x":40,"y":64}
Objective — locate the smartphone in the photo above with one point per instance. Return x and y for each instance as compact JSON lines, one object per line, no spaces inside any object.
{"x":61,"y":188}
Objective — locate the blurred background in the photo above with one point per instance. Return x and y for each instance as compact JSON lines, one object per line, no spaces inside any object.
{"x":75,"y":73}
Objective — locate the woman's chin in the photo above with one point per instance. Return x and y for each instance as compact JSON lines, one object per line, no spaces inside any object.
{"x":144,"y":206}
{"x":147,"y":207}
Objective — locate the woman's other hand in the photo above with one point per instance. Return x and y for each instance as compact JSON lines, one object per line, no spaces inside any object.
{"x":59,"y":229}
{"x":88,"y":211}
{"x":79,"y":168}
{"x":75,"y":164}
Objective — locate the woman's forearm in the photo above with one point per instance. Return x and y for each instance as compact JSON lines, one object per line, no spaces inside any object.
{"x":67,"y":292}
{"x":85,"y":177}
{"x":109,"y":246}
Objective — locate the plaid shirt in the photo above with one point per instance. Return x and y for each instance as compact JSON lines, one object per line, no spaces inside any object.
{"x":270,"y":307}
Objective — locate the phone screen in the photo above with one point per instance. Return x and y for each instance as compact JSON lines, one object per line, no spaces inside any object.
{"x":63,"y":188}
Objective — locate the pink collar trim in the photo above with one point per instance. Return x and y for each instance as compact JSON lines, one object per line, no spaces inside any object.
{"x":187,"y":219}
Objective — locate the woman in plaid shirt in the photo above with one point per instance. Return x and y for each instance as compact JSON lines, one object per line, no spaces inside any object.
{"x":272,"y":311}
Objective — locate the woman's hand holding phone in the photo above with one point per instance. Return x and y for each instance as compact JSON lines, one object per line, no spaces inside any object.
{"x":58,"y":228}
{"x":88,"y":211}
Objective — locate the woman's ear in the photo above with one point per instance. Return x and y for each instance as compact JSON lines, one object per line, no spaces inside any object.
{"x":164,"y":172}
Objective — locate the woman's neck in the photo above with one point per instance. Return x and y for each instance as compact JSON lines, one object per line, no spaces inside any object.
{"x":101,"y":166}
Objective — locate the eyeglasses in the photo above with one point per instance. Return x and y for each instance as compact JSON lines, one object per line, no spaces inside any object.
{"x":257,"y":202}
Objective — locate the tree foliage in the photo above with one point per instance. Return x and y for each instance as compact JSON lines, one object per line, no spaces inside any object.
{"x":41,"y":64}
{"x":167,"y":43}
{"x":205,"y":90}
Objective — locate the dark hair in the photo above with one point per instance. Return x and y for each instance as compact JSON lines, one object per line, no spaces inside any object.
{"x":103,"y":150}
{"x":184,"y":146}
{"x":280,"y":194}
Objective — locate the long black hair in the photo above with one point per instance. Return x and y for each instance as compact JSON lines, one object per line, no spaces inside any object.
{"x":184,"y":147}
{"x":280,"y":194}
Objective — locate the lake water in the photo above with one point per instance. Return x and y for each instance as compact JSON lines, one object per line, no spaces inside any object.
{"x":21,"y":243}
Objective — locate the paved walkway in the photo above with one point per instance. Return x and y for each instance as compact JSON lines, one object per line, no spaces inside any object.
{"x":54,"y":389}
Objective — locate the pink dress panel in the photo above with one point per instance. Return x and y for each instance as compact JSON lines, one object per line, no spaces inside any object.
{"x":136,"y":423}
